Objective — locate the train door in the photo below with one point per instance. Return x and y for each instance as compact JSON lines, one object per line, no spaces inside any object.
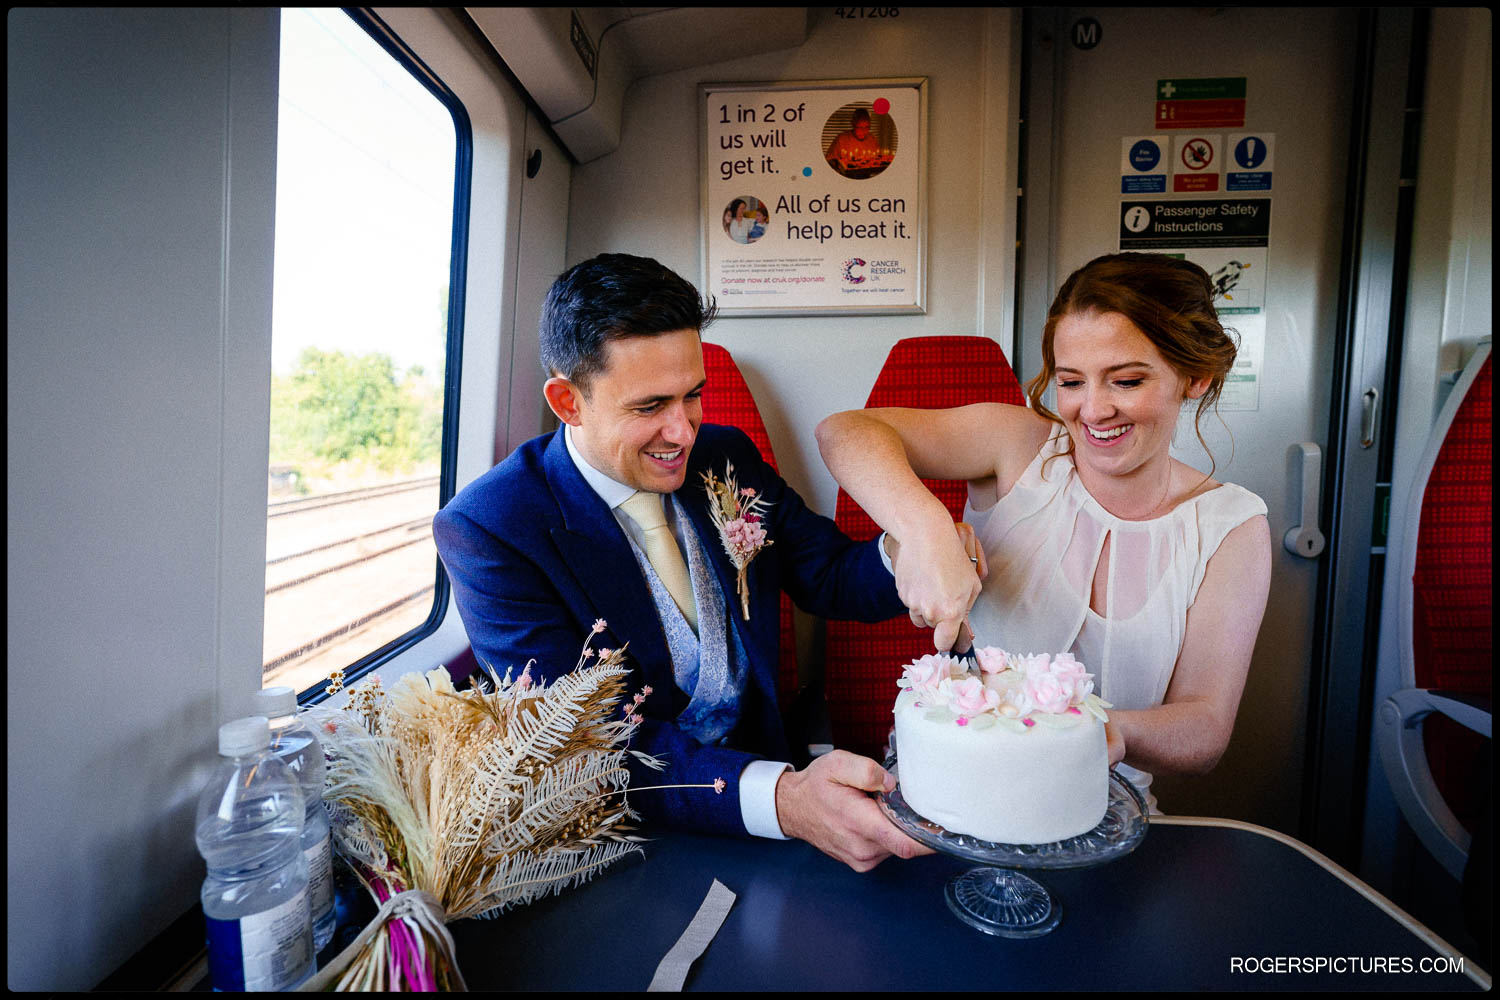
{"x":1290,"y":112}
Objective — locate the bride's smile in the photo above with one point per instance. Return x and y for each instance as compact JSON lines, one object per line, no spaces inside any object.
{"x":1118,"y":397}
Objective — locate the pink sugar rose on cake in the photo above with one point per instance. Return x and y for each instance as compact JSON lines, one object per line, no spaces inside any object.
{"x":928,"y":672}
{"x":970,"y":697}
{"x":1031,"y":664}
{"x":1073,"y":677}
{"x":992,"y":659}
{"x":1049,"y":692}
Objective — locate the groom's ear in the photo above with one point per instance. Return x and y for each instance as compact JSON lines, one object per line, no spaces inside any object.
{"x":565,"y":399}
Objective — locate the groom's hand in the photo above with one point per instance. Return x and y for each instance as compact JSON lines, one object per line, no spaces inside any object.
{"x":828,"y":805}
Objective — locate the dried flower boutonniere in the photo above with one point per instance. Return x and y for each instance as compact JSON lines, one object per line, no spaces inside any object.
{"x":736,"y":513}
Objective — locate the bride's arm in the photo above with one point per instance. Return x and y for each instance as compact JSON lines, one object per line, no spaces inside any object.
{"x":1189,"y":731}
{"x":879,"y":457}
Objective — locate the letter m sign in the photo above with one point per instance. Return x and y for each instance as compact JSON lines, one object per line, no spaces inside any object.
{"x":1086,"y":33}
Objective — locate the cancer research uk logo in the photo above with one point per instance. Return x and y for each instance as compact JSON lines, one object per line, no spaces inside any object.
{"x":878,"y":270}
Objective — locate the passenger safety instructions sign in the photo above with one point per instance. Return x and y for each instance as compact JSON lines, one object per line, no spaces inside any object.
{"x":1228,"y":238}
{"x":1222,"y":222}
{"x":1183,"y":194}
{"x":812,"y":196}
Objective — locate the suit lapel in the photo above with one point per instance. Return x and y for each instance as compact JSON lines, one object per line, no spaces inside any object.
{"x":694,"y":498}
{"x":594,"y":547}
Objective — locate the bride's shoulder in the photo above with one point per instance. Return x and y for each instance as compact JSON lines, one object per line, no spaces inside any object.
{"x":1193,"y":482}
{"x":1215,"y":500}
{"x":1022,"y":435}
{"x":1021,"y":428}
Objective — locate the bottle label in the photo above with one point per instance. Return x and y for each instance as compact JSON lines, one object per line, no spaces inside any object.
{"x":320,"y":877}
{"x":264,"y":951}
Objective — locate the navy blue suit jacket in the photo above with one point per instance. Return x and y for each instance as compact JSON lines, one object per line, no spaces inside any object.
{"x":536,"y":557}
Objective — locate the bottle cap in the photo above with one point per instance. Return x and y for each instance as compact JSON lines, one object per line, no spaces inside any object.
{"x":244,"y":736}
{"x":274,"y":702}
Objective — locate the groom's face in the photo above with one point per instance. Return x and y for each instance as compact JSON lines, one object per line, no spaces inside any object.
{"x":640,"y":418}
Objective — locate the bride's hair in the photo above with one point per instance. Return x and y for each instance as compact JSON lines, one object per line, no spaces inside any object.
{"x":1170,"y":300}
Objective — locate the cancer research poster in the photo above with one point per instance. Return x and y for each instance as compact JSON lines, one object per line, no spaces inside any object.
{"x":813,"y":196}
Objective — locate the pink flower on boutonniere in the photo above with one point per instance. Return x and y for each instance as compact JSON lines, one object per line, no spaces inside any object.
{"x":743,"y":538}
{"x":736,"y":512}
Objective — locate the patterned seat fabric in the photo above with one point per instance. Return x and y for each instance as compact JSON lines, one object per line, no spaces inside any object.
{"x":864,"y":661}
{"x":1453,"y":591}
{"x":727,"y":400}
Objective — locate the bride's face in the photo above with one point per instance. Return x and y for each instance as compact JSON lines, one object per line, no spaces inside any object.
{"x":1116,"y":394}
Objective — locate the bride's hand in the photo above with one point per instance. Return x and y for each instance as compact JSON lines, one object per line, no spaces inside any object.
{"x":972,"y":548}
{"x":938,"y":580}
{"x":1115,"y":740}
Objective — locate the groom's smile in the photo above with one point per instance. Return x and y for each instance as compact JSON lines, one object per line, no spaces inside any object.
{"x":640,"y":417}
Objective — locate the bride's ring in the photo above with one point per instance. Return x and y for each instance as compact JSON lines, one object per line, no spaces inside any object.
{"x":974,"y":560}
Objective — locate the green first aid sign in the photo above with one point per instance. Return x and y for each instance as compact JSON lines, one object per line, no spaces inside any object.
{"x":1224,"y":88}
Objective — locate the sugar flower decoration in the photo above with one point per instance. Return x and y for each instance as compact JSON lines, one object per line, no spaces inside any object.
{"x":930,"y":671}
{"x":1010,"y":686}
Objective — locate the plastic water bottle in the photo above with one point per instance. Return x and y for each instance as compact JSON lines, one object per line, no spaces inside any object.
{"x":297,"y":747}
{"x":255,"y":899}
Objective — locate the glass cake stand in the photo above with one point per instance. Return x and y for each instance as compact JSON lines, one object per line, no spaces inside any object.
{"x":997,"y":899}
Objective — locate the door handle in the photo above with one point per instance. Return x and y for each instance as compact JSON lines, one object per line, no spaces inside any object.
{"x":1371,"y":413}
{"x":1305,"y":539}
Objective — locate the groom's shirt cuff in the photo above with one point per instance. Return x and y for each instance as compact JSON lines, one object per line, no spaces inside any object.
{"x":885,"y":557}
{"x":758,"y":798}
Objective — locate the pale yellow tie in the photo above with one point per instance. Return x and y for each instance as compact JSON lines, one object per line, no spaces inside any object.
{"x":645,"y":510}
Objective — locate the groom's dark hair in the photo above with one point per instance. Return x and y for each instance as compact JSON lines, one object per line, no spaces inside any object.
{"x":611,"y":296}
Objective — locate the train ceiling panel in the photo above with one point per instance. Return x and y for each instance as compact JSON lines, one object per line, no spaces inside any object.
{"x":576,"y":63}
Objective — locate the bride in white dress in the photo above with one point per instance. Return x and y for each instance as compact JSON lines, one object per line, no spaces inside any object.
{"x":1096,"y":540}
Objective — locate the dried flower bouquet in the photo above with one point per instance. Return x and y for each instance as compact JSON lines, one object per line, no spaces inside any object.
{"x":483,"y":799}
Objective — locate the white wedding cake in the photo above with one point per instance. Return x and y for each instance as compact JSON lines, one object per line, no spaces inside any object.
{"x":1013,"y":752}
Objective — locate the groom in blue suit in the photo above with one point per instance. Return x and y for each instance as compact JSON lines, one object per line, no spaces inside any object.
{"x":574,"y":527}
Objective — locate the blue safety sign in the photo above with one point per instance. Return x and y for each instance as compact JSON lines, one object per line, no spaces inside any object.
{"x":1253,"y":156}
{"x":1250,"y":152}
{"x":1143,"y":165}
{"x":1145,"y":155}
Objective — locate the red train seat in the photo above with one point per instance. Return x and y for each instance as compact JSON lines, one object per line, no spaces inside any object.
{"x":727,"y":400}
{"x":863,"y":661}
{"x":1432,"y":732}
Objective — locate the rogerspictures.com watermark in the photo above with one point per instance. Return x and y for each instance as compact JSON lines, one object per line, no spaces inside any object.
{"x":1346,"y":964}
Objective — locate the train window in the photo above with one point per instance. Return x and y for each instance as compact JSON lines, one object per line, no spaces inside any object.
{"x":371,"y":189}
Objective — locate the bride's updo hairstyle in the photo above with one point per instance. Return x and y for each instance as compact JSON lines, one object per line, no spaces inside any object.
{"x":1168,"y":299}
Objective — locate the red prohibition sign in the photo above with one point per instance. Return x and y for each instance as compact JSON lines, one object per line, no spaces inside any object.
{"x":1197,"y":154}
